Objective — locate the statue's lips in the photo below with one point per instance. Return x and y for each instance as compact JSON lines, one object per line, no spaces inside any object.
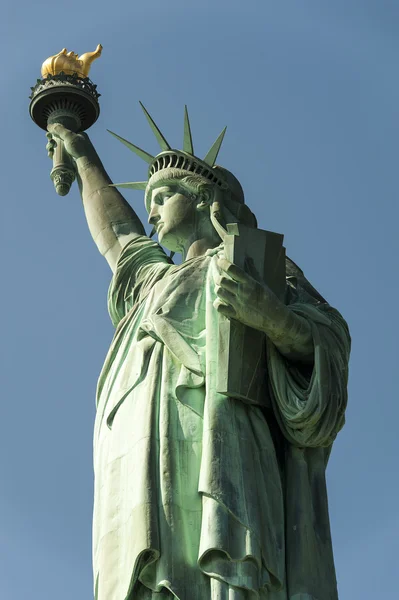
{"x":158,"y":226}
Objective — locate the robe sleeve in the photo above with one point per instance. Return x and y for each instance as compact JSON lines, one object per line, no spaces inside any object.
{"x":309,"y":403}
{"x":141,"y":264}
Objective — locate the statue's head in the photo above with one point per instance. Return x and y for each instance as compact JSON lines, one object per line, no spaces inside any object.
{"x":187,"y":197}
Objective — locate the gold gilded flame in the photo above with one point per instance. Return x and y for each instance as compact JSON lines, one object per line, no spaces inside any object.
{"x":70,"y":63}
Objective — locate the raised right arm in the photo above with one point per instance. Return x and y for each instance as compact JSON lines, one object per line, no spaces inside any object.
{"x":112,"y":221}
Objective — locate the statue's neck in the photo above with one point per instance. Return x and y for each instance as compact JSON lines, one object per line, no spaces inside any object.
{"x":200,"y":246}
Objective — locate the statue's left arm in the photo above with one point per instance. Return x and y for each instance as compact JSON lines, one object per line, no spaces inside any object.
{"x":308,"y":352}
{"x":243,"y":298}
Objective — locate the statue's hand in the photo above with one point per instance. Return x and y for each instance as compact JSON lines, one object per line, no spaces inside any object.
{"x":241,"y":297}
{"x":77,"y":145}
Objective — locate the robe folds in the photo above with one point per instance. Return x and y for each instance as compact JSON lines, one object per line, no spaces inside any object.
{"x":199,"y":496}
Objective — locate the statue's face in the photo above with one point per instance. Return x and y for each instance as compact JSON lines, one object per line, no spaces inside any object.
{"x":174,"y":216}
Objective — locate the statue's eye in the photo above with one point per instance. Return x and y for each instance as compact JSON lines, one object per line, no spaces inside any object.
{"x":161,"y":198}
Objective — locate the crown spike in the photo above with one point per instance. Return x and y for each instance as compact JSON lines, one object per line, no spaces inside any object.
{"x":141,"y":153}
{"x":211,"y":157}
{"x":160,"y":138}
{"x":187,"y":138}
{"x":132,"y":185}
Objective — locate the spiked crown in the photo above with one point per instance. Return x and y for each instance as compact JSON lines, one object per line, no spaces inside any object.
{"x":182,"y":160}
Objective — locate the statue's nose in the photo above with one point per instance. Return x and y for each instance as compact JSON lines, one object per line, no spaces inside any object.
{"x":154,"y":215}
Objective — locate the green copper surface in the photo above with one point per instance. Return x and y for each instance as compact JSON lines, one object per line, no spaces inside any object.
{"x":187,"y":137}
{"x":141,"y":153}
{"x":221,"y":395}
{"x":213,"y":152}
{"x":157,"y":132}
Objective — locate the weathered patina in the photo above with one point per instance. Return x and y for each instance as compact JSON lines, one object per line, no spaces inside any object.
{"x":204,"y":492}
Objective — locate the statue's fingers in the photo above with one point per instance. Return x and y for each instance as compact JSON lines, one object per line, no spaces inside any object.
{"x":227,"y":283}
{"x":50,"y":147}
{"x":225,"y":295}
{"x":235,"y":272}
{"x":224,"y":309}
{"x":51,"y":144}
{"x":59,"y":131}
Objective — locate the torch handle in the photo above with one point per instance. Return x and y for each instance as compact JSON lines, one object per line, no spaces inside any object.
{"x":63,"y":171}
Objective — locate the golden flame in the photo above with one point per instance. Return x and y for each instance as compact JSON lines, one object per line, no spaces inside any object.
{"x":70,"y":63}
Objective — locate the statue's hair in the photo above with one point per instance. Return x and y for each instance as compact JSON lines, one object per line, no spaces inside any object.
{"x":194,"y":186}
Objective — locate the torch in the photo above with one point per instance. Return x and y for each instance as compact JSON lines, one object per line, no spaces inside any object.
{"x":65,"y":95}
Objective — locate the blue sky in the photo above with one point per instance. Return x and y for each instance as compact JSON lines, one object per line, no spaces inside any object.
{"x":309,"y":92}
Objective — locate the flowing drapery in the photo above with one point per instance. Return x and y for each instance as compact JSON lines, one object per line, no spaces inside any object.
{"x":189,"y":494}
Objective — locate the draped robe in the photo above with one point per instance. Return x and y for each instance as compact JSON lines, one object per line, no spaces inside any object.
{"x":198,"y":495}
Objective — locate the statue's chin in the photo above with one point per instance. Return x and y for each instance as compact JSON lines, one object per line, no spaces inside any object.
{"x":167,"y":240}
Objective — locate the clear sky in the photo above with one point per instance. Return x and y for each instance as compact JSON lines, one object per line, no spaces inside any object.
{"x":309,"y":92}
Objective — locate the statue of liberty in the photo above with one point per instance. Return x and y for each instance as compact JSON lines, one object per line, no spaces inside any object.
{"x":201,"y":495}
